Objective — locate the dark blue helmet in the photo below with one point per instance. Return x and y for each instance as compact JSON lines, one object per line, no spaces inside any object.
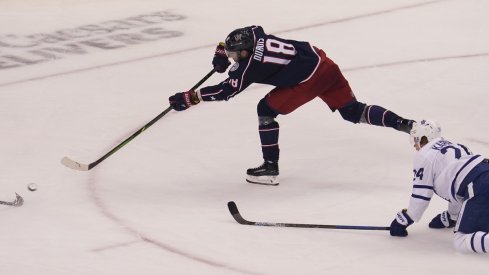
{"x":240,"y":39}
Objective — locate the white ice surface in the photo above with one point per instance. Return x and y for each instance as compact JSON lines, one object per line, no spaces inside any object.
{"x":158,"y":205}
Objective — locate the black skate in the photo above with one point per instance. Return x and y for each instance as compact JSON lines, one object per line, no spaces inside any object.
{"x":266,"y":174}
{"x":405,"y":125}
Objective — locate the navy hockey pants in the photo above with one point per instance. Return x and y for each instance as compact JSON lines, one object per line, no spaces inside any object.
{"x":474,"y":215}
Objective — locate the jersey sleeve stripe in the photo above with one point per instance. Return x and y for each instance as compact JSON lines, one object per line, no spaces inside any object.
{"x":420,"y":197}
{"x":423,"y":186}
{"x":211,"y":94}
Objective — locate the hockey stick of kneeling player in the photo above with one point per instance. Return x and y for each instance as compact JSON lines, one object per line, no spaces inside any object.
{"x":66,"y":161}
{"x":237,"y":216}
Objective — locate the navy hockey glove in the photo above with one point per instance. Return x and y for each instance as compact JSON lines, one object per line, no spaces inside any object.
{"x":182,"y":101}
{"x":220,"y":60}
{"x":400,"y":223}
{"x":442,"y":220}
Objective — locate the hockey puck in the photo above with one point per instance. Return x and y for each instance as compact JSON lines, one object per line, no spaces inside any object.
{"x":32,"y":187}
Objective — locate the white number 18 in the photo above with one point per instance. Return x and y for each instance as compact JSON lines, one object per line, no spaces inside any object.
{"x":276,"y":46}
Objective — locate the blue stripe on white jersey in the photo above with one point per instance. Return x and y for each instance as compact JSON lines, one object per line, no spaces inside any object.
{"x":437,"y":166}
{"x":420,"y":197}
{"x":467,"y":151}
{"x":462,"y":173}
{"x":422,"y":191}
{"x":423,"y":186}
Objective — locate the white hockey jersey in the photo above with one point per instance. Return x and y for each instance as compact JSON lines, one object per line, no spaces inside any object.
{"x":440,"y":167}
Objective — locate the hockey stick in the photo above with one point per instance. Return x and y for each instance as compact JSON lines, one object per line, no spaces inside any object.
{"x":237,"y":216}
{"x":19,"y":201}
{"x":66,"y":161}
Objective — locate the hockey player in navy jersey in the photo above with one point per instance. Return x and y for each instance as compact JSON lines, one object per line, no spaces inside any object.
{"x":299,"y":71}
{"x":452,"y":172}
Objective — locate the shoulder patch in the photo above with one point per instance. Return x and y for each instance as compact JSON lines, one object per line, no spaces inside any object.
{"x":234,"y":67}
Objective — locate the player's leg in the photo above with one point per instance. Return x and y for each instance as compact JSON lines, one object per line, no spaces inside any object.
{"x":278,"y":101}
{"x":340,"y":97}
{"x":358,"y":112}
{"x":268,"y":128}
{"x":472,"y":229}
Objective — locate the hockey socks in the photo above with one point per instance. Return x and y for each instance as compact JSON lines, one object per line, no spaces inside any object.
{"x":477,"y":242}
{"x":267,"y":173}
{"x":269,"y":141}
{"x":380,"y":116}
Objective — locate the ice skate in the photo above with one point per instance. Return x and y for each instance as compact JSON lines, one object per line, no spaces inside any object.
{"x":405,"y":125}
{"x":266,"y":174}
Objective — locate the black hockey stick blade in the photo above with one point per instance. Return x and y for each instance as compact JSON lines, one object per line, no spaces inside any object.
{"x":19,"y":201}
{"x":237,"y":216}
{"x":66,"y":161}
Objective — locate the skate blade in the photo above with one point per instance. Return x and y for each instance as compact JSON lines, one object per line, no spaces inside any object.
{"x":263,"y":180}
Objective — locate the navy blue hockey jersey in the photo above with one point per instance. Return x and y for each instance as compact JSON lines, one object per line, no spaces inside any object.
{"x":275,"y":61}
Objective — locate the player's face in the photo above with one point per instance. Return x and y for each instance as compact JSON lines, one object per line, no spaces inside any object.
{"x":417,"y":146}
{"x":233,"y":55}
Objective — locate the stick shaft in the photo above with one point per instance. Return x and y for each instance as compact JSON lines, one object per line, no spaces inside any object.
{"x":78,"y":166}
{"x":237,"y":216}
{"x":127,"y":140}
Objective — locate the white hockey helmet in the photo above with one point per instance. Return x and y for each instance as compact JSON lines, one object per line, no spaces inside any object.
{"x":425,"y":128}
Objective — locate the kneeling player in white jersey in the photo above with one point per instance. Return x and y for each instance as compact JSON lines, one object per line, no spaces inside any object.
{"x":452,"y":172}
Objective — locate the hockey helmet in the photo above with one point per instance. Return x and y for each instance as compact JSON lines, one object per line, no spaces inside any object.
{"x":240,"y":39}
{"x":425,"y":128}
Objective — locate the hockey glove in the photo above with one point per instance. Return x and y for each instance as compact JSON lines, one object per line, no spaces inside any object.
{"x":182,"y":101}
{"x":400,"y":223}
{"x":220,"y":60}
{"x":442,"y":220}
